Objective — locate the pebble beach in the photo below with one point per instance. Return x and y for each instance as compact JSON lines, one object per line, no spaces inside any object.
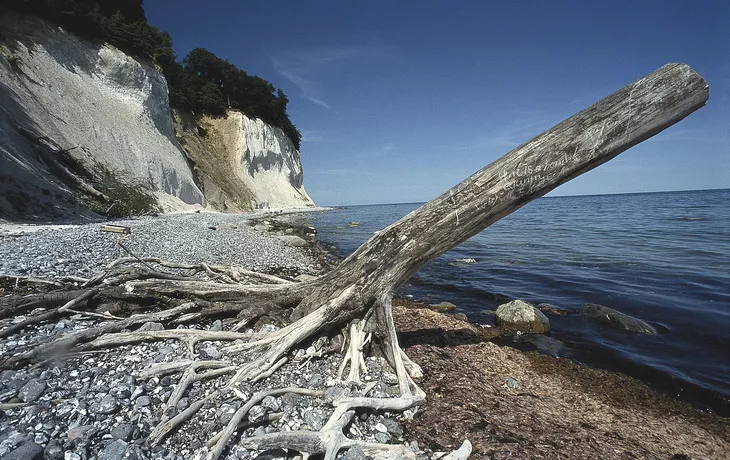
{"x":104,"y":404}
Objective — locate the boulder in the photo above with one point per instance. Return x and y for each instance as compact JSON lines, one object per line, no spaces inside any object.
{"x":520,"y":316}
{"x":616,"y":319}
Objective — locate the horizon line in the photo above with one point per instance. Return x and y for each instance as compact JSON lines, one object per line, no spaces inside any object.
{"x":544,"y":196}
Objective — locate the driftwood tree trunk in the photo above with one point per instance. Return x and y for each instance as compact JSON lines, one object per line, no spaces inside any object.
{"x":573,"y":147}
{"x":358,"y":292}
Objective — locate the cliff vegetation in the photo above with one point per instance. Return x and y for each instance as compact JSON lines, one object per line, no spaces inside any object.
{"x":201,"y":83}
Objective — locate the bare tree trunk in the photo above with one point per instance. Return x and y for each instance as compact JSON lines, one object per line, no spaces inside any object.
{"x":573,"y":147}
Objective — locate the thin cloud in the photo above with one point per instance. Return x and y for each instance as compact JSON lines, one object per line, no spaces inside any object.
{"x":674,"y":135}
{"x":523,"y":127}
{"x":377,"y":152}
{"x":349,"y":172}
{"x":314,"y":135}
{"x":305,"y":69}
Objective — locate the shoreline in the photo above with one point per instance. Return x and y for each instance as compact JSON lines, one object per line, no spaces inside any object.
{"x":530,"y":405}
{"x":560,"y":408}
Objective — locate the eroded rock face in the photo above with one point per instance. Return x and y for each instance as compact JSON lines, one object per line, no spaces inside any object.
{"x":243,"y":163}
{"x":107,"y":106}
{"x":616,"y":319}
{"x":523,"y":317}
{"x":264,"y":160}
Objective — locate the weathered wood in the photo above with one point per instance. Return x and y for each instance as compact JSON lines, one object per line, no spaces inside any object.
{"x":573,"y":147}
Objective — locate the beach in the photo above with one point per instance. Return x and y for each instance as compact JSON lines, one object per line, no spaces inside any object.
{"x":508,"y":403}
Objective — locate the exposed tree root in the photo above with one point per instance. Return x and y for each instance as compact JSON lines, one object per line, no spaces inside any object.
{"x":258,"y":355}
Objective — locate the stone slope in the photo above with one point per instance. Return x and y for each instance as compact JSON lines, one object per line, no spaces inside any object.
{"x":111,"y":107}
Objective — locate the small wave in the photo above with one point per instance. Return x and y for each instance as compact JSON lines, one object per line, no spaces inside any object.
{"x":690,"y":219}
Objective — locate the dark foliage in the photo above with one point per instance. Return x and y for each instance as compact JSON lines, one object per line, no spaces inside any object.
{"x":202,"y":83}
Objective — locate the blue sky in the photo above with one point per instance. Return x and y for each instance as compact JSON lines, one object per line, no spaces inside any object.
{"x":399,"y":101}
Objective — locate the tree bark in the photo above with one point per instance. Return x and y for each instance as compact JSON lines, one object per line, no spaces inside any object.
{"x":573,"y":147}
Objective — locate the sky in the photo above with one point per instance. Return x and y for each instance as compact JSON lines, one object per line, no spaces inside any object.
{"x":397,"y":101}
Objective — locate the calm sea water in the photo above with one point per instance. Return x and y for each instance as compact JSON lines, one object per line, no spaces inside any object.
{"x":661,"y":257}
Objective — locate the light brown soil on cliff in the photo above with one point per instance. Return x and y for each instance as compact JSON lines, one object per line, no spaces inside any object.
{"x":560,"y":410}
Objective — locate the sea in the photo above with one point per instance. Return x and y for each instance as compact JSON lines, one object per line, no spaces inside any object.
{"x":661,"y":257}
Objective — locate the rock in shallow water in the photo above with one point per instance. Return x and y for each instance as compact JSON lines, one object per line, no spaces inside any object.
{"x":523,"y":317}
{"x":616,"y":319}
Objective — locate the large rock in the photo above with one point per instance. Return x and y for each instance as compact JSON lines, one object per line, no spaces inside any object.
{"x":109,"y":107}
{"x":520,"y":316}
{"x":616,"y":319}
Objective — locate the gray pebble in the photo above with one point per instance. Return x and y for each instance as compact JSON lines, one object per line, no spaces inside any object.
{"x":123,"y":432}
{"x":316,"y":381}
{"x":114,"y":451}
{"x":142,"y":401}
{"x":314,"y":418}
{"x":150,"y":326}
{"x":271,"y":403}
{"x":393,"y":427}
{"x":38,"y":253}
{"x":108,"y":405}
{"x":26,"y":451}
{"x":290,"y":399}
{"x":209,"y":352}
{"x":54,"y":450}
{"x":183,"y":404}
{"x":354,"y":453}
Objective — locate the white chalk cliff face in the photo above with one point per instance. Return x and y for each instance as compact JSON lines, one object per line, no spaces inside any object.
{"x":107,"y":106}
{"x":110,"y":108}
{"x":263,"y":160}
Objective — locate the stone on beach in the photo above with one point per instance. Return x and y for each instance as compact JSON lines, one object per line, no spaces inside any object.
{"x":616,"y":319}
{"x":519,"y":316}
{"x":26,"y":451}
{"x":292,"y":240}
{"x":32,"y":390}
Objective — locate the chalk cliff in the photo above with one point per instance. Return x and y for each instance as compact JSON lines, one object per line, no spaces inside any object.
{"x":60,"y":94}
{"x":243,"y":163}
{"x":92,"y":98}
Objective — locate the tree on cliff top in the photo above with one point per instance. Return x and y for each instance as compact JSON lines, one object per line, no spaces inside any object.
{"x":202,"y":83}
{"x":357,"y":294}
